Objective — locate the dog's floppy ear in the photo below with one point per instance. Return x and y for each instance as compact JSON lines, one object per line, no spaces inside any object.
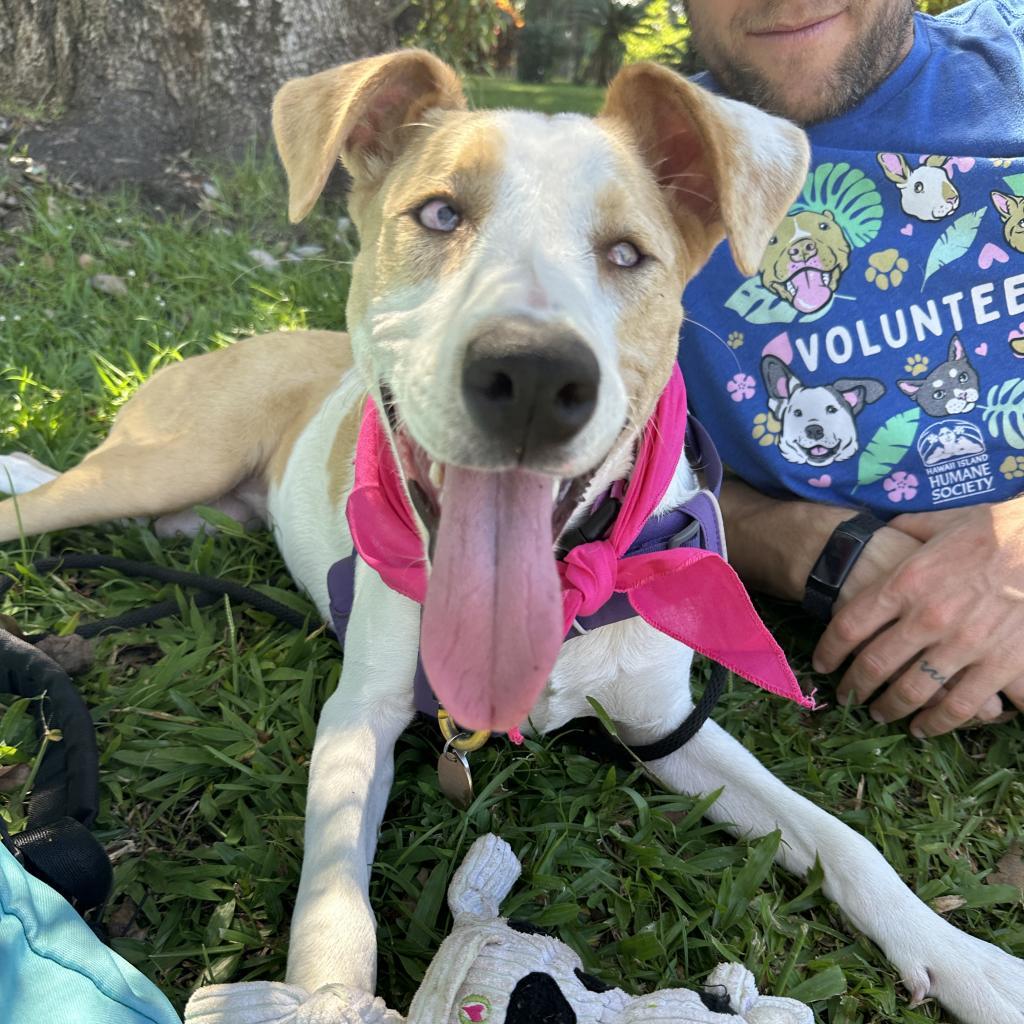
{"x":779,"y":380}
{"x":859,"y":391}
{"x":724,"y":166}
{"x":355,"y":113}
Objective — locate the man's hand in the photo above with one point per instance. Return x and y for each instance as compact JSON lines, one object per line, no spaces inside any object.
{"x":949,"y":617}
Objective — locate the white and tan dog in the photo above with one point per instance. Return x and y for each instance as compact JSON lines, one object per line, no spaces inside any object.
{"x":515,"y":304}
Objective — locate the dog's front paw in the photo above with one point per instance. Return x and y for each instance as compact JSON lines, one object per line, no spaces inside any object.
{"x":974,"y":980}
{"x":273,"y":1002}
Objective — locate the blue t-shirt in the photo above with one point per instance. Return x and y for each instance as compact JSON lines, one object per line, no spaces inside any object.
{"x":877,"y":358}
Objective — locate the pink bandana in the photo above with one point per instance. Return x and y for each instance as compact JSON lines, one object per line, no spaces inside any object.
{"x":689,"y":594}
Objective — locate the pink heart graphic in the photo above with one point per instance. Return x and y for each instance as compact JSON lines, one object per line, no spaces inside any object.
{"x":908,"y":230}
{"x":475,"y":1011}
{"x":821,"y":481}
{"x":780,"y":346}
{"x":982,"y":349}
{"x":991,"y":253}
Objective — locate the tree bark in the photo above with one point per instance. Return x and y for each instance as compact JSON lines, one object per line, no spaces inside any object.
{"x":133,"y":83}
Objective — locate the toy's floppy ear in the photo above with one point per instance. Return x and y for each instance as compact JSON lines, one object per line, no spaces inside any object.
{"x":355,"y":113}
{"x":483,"y":880}
{"x":725,"y":167}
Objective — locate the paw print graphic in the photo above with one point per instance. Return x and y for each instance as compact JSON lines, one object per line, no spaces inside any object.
{"x":1012,"y":467}
{"x":766,"y":429}
{"x":735,"y":340}
{"x":916,"y":365}
{"x":886,"y":268}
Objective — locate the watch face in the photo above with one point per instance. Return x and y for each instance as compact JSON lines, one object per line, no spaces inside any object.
{"x":841,"y":549}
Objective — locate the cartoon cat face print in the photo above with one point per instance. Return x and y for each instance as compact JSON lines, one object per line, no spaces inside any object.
{"x":950,"y":389}
{"x":926,"y":192}
{"x":805,"y":259}
{"x":1011,"y":209}
{"x":819,"y":424}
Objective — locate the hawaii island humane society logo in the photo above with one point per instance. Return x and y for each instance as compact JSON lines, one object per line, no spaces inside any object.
{"x":954,"y":457}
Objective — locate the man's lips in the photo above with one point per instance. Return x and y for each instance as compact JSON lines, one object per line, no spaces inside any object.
{"x":799,"y":31}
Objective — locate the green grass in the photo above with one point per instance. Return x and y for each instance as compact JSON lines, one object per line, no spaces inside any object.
{"x":484,"y":91}
{"x":206,"y":721}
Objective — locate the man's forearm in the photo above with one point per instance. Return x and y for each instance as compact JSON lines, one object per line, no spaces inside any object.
{"x":774,"y":544}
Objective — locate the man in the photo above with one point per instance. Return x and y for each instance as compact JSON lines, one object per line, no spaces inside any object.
{"x":875,"y":361}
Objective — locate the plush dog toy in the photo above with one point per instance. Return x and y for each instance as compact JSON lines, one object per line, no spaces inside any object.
{"x":489,"y":971}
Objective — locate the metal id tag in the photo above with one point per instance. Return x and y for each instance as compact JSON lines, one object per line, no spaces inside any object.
{"x":454,"y":776}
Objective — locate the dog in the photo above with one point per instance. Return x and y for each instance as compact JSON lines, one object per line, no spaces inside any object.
{"x":805,"y":260}
{"x":819,"y":424}
{"x":1011,"y":212}
{"x":506,"y":258}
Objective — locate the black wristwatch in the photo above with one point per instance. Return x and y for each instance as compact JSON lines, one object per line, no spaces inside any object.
{"x":837,"y":558}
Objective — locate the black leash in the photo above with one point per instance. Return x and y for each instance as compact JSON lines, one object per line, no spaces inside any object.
{"x":210,"y":589}
{"x":57,"y":845}
{"x":596,"y":741}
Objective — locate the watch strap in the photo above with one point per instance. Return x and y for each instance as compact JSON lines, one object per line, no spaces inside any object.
{"x":835,"y":562}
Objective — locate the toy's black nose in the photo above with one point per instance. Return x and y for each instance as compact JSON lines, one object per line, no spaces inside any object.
{"x":815,"y":431}
{"x":537,"y":999}
{"x":528,"y":386}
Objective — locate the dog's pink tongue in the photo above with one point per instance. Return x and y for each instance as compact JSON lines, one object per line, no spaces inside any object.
{"x":811,"y":291}
{"x":492,"y":619}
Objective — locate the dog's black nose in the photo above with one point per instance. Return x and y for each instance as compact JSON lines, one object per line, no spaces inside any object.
{"x":815,"y":431}
{"x":529,"y":386}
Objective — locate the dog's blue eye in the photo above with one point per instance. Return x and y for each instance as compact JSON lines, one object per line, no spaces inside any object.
{"x":624,"y":254}
{"x":438,"y":215}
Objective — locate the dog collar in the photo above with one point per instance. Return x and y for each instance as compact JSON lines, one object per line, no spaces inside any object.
{"x":688,"y":593}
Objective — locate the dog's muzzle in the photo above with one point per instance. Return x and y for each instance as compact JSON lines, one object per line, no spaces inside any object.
{"x":529,"y":388}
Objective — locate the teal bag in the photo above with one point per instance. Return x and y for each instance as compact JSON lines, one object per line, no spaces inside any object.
{"x":53,"y":969}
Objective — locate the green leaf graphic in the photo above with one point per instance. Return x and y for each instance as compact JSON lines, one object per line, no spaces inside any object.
{"x":757,"y":305}
{"x":954,"y":242}
{"x":1016,"y":183}
{"x":888,"y":446}
{"x":1004,"y":413}
{"x":851,"y":196}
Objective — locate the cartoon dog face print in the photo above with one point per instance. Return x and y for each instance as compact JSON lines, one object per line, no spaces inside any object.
{"x":1011,"y":209}
{"x":948,"y":390}
{"x":805,"y":259}
{"x":819,"y":423}
{"x":926,"y":193}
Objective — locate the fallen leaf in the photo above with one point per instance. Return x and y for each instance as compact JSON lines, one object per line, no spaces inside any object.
{"x":13,"y":777}
{"x":109,"y":284}
{"x":73,"y":653}
{"x":265,"y":259}
{"x":947,"y":904}
{"x":1010,"y":869}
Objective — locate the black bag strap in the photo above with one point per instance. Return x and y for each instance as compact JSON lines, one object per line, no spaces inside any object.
{"x":57,"y":845}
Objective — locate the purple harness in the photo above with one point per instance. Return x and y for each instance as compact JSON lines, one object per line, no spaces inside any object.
{"x":694,"y":524}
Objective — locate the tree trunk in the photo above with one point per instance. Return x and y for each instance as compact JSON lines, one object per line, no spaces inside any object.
{"x":134,"y":83}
